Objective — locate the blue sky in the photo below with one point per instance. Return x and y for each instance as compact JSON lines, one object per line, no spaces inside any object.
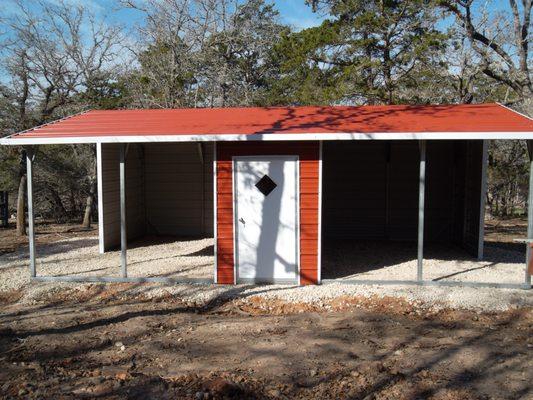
{"x":297,"y":14}
{"x":292,"y":12}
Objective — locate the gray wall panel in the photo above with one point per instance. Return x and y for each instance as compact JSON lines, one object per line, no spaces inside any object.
{"x":111,"y":194}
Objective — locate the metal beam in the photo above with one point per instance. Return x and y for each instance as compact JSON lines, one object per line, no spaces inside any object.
{"x":527,"y":274}
{"x":123,"y":232}
{"x":100,"y":187}
{"x":30,"y":156}
{"x":206,"y":281}
{"x":482,"y":201}
{"x":114,"y":279}
{"x":421,"y":198}
{"x":427,"y":283}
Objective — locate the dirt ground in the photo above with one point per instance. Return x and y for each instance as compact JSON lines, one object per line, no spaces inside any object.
{"x":96,"y":347}
{"x":45,"y":232}
{"x":117,"y":342}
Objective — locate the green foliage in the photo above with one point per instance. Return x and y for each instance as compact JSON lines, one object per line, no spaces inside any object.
{"x":366,"y":53}
{"x":104,"y":92}
{"x":201,"y":64}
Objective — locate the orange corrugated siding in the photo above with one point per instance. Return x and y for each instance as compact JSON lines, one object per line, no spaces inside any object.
{"x":266,"y":120}
{"x":308,"y":153}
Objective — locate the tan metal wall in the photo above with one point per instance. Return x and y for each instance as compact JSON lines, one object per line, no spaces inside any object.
{"x":179,"y":189}
{"x":169,"y":190}
{"x":111,"y":194}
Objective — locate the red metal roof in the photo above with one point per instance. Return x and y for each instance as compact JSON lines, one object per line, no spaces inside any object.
{"x":285,"y":120}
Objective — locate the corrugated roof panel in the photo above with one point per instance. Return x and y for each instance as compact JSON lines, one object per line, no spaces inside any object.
{"x":289,"y":120}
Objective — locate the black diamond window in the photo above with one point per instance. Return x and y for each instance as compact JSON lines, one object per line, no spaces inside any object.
{"x":266,"y":185}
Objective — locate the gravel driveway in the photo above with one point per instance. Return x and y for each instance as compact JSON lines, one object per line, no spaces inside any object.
{"x":194,"y":259}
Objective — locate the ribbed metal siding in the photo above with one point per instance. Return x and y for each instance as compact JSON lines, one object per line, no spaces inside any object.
{"x":111,"y":193}
{"x":370,"y":191}
{"x":179,"y":189}
{"x":169,"y":191}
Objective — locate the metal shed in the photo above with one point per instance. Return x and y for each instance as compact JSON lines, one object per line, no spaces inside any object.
{"x":271,"y":183}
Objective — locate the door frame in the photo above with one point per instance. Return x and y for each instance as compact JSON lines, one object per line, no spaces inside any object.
{"x":259,"y":157}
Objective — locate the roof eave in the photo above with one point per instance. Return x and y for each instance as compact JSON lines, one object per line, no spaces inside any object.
{"x":21,"y":141}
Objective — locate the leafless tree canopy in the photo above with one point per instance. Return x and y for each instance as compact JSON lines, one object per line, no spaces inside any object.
{"x":204,"y":53}
{"x":502,"y":44}
{"x":58,"y":58}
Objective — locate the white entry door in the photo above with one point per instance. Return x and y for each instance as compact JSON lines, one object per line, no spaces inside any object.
{"x":266,"y":218}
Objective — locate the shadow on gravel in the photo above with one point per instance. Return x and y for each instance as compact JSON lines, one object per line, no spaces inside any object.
{"x":53,"y":248}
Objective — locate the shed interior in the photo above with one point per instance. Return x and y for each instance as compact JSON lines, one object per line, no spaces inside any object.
{"x":370,"y":203}
{"x":169,"y":198}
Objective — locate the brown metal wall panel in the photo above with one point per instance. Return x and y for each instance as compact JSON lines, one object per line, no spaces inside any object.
{"x":467,"y":172}
{"x":473,"y":179}
{"x":358,"y":203}
{"x":439,"y":191}
{"x":403,"y":197}
{"x":353,"y":195}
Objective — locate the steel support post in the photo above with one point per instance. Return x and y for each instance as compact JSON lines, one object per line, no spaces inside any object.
{"x":421,"y":198}
{"x":527,"y":277}
{"x":123,"y":231}
{"x":30,"y":156}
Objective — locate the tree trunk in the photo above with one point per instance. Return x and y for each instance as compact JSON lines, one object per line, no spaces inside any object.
{"x":59,"y":210}
{"x":89,"y":206}
{"x":92,"y":194}
{"x":21,"y":214}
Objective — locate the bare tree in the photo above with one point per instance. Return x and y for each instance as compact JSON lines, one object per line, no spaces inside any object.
{"x":508,"y":178}
{"x":199,"y":53}
{"x":54,"y":52}
{"x":165,"y":53}
{"x":89,"y":204}
{"x":501,"y":43}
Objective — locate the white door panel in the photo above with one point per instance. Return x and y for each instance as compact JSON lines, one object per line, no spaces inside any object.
{"x":266,"y":218}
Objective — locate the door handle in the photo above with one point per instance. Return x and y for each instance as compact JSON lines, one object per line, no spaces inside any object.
{"x":241,"y":220}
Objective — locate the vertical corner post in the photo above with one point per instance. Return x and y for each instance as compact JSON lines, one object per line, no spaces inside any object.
{"x":528,"y":269}
{"x":123,"y":231}
{"x":100,"y":191}
{"x":320,"y":200}
{"x":215,"y":214}
{"x":30,"y":157}
{"x":421,"y":205}
{"x":482,"y":200}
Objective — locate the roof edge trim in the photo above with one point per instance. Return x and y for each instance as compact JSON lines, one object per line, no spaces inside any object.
{"x":516,"y":112}
{"x":318,"y":136}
